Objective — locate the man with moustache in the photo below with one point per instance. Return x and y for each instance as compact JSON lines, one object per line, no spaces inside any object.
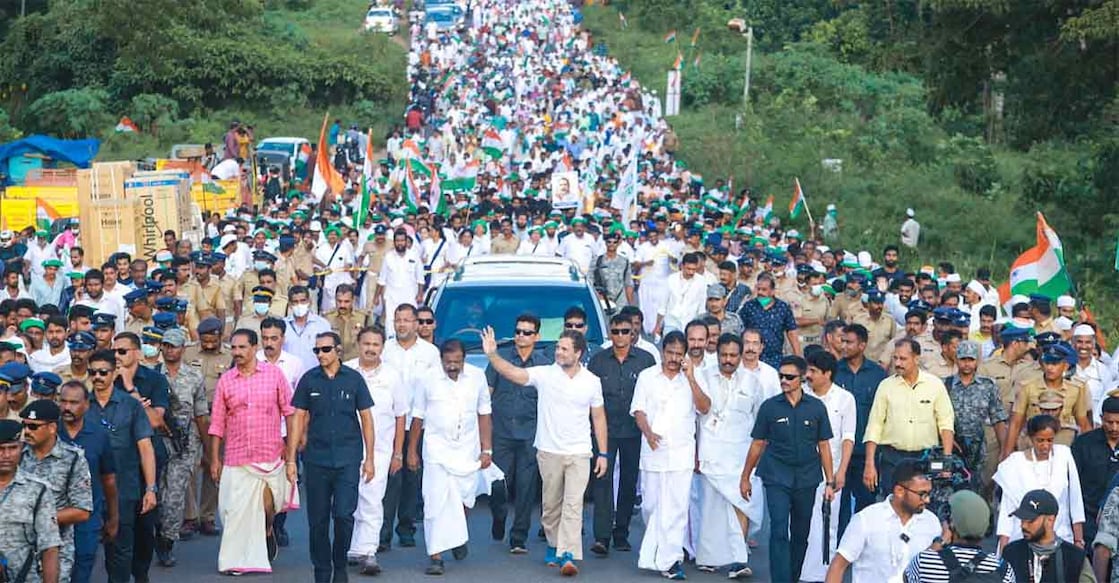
{"x":765,"y":376}
{"x":81,"y":345}
{"x":272,"y":333}
{"x":28,"y":527}
{"x":401,"y":279}
{"x":1040,"y":555}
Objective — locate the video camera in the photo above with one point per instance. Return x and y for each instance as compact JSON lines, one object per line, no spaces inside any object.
{"x":948,"y":473}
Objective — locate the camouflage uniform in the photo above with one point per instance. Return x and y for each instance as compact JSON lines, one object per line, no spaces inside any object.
{"x":977,"y":407}
{"x":66,"y":472}
{"x":28,"y":523}
{"x":611,"y":276}
{"x":213,"y":365}
{"x":188,"y":400}
{"x":1107,"y":534}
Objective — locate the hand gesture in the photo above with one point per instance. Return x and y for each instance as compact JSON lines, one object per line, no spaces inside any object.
{"x":367,"y":470}
{"x":688,"y":368}
{"x":489,"y":341}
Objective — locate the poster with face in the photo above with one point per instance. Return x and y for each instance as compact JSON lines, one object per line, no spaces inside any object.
{"x":566,"y":191}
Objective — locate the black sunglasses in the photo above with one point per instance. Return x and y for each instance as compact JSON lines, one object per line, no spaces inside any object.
{"x":100,"y":372}
{"x":789,"y":377}
{"x":34,"y":426}
{"x":320,"y":349}
{"x":122,"y":351}
{"x":574,"y":325}
{"x":521,"y":332}
{"x":426,"y":321}
{"x":621,"y":331}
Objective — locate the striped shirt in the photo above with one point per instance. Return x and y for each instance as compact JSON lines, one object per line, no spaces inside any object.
{"x":928,"y":567}
{"x":248,"y":412}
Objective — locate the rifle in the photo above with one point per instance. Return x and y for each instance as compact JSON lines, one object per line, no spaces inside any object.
{"x":825,"y":512}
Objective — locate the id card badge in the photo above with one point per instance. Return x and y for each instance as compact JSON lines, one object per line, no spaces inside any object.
{"x":714,"y":424}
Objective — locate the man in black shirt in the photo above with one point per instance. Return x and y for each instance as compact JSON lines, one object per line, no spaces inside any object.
{"x":328,"y":402}
{"x":617,"y":369}
{"x":514,"y":432}
{"x":792,"y":432}
{"x":1096,"y":454}
{"x":1040,"y":556}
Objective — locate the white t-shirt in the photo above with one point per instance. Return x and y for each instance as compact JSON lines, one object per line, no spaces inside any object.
{"x":563,"y":422}
{"x":874,"y":546}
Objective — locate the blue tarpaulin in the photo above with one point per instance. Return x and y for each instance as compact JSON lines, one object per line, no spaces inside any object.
{"x":77,"y":152}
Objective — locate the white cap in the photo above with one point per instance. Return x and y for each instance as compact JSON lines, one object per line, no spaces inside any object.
{"x":1062,"y":324}
{"x":230,"y":228}
{"x":163,"y":256}
{"x":1066,"y":302}
{"x":823,"y":249}
{"x":953,"y":278}
{"x":1018,"y":299}
{"x":909,"y":213}
{"x":831,"y":207}
{"x":316,"y":226}
{"x":976,"y":287}
{"x":226,"y":240}
{"x":865,"y":259}
{"x":1083,"y":330}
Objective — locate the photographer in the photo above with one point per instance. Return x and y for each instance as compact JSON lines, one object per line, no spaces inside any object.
{"x":962,"y":551}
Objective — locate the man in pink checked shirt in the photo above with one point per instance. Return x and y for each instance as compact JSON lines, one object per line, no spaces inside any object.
{"x":250,"y":402}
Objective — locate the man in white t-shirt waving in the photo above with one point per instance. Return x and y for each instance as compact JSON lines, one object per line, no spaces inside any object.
{"x":566,"y":392}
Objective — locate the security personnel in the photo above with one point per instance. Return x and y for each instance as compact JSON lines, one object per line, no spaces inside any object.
{"x":139,"y":311}
{"x":1068,"y":396}
{"x":81,"y":345}
{"x":880,"y":326}
{"x":15,"y":374}
{"x":93,"y":439}
{"x":214,"y":359}
{"x":104,"y":326}
{"x":262,"y":261}
{"x":44,"y":385}
{"x":63,"y":468}
{"x":346,"y":320}
{"x":810,"y":306}
{"x":203,"y":292}
{"x":262,"y":308}
{"x":28,"y":521}
{"x":226,"y":282}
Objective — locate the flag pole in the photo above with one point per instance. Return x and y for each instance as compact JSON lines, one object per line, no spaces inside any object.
{"x":807,"y":210}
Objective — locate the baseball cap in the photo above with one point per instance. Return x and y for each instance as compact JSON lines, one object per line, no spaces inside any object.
{"x":1036,"y":503}
{"x":41,"y":410}
{"x":716,"y":290}
{"x":970,"y":514}
{"x":10,"y":430}
{"x":175,"y":337}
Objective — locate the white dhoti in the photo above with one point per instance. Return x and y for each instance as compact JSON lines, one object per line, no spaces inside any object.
{"x":651,"y":295}
{"x":241,"y":507}
{"x":447,"y":493}
{"x":814,"y":568}
{"x":665,"y":499}
{"x":393,"y":297}
{"x":370,"y":513}
{"x":719,"y":538}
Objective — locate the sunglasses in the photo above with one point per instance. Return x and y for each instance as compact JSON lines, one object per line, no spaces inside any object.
{"x":123,"y":351}
{"x":621,"y":331}
{"x":425,"y":321}
{"x":322,"y":349}
{"x":574,"y":325}
{"x":789,"y":377}
{"x":520,"y":332}
{"x":100,"y":372}
{"x":34,"y":426}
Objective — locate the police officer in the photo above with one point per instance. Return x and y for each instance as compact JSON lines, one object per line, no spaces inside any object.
{"x":139,"y":310}
{"x":81,"y":346}
{"x":186,"y":424}
{"x":93,"y":440}
{"x":214,"y":359}
{"x":1070,"y":393}
{"x":262,"y":309}
{"x":346,"y":320}
{"x":976,"y":404}
{"x":104,"y":326}
{"x":63,"y":468}
{"x":29,"y":538}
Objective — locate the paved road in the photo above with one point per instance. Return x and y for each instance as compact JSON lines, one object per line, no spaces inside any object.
{"x":488,"y":560}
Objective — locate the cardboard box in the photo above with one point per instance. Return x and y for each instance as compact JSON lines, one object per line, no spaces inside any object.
{"x":108,"y":226}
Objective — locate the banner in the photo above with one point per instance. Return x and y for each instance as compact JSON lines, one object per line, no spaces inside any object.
{"x":566,"y":190}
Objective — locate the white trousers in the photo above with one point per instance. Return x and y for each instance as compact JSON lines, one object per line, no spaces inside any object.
{"x":665,"y":500}
{"x":370,"y":513}
{"x":651,"y":295}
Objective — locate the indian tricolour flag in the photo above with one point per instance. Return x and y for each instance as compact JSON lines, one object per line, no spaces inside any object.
{"x":765,"y":211}
{"x":492,"y":143}
{"x":1041,"y":269}
{"x":436,"y":202}
{"x":670,"y":37}
{"x":411,"y":190}
{"x":798,"y":203}
{"x":367,"y":170}
{"x":45,"y":214}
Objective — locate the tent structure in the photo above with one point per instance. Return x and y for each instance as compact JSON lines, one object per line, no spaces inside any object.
{"x":77,"y":152}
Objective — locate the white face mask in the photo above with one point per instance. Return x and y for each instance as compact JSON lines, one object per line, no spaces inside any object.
{"x":149,"y":350}
{"x":300,"y":310}
{"x":260,"y":308}
{"x":260,"y":265}
{"x":817,"y":290}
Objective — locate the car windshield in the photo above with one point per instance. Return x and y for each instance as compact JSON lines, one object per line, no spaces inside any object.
{"x":379,"y":14}
{"x":274,"y":147}
{"x":462,"y":311}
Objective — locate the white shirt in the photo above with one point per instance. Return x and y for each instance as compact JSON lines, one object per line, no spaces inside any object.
{"x":670,"y":411}
{"x":540,"y":248}
{"x":684,"y":301}
{"x":910,"y":232}
{"x":450,"y":410}
{"x":107,"y":304}
{"x":1099,"y":381}
{"x":289,"y":364}
{"x":873,"y":545}
{"x":390,"y":401}
{"x":412,"y":363}
{"x":401,"y":274}
{"x":768,"y":382}
{"x":659,"y":254}
{"x":724,"y":432}
{"x":36,"y":255}
{"x":841,"y":415}
{"x":581,"y":250}
{"x":43,"y":361}
{"x":563,"y":421}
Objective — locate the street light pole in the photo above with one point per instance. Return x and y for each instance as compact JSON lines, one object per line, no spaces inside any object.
{"x":749,"y":55}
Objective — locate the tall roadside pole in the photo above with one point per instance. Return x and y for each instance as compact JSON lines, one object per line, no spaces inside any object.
{"x":749,"y":55}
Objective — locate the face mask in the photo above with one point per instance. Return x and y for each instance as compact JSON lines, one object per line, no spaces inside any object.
{"x":260,"y":265}
{"x":765,"y":301}
{"x":852,"y":292}
{"x":260,"y":308}
{"x":865,"y":298}
{"x":300,"y":310}
{"x":817,"y":290}
{"x":149,"y":350}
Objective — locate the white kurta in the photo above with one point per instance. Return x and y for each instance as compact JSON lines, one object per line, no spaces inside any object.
{"x":337,"y":261}
{"x":401,"y":275}
{"x":390,"y":401}
{"x":1017,"y":475}
{"x":724,"y":441}
{"x":841,"y":416}
{"x":684,"y":301}
{"x":653,"y":290}
{"x":451,"y":448}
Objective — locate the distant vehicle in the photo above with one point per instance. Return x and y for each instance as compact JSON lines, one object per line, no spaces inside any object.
{"x":288,"y":147}
{"x":382,"y":19}
{"x":443,"y":18}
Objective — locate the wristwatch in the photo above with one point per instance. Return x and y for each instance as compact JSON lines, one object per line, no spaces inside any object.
{"x":398,"y":457}
{"x":153,"y":489}
{"x":488,"y":452}
{"x":600,"y":454}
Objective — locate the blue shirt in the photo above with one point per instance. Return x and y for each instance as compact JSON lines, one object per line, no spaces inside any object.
{"x":862,"y":385}
{"x":299,"y":340}
{"x":334,"y":437}
{"x":791,"y":458}
{"x":773,"y":323}
{"x":94,"y":441}
{"x":514,"y":406}
{"x":155,"y":388}
{"x":127,"y":424}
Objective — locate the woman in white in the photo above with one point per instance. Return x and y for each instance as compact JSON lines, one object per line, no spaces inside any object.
{"x":1046,"y":465}
{"x":336,"y":256}
{"x":535,"y":244}
{"x":433,"y":251}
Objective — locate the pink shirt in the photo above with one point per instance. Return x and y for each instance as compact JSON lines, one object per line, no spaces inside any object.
{"x":248,"y":412}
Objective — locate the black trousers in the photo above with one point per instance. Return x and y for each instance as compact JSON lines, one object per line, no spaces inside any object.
{"x":144,"y":544}
{"x":331,"y":495}
{"x":402,"y":500}
{"x":854,"y":495}
{"x":790,"y":519}
{"x":608,"y":520}
{"x":888,"y":458}
{"x":120,"y":551}
{"x":517,"y":458}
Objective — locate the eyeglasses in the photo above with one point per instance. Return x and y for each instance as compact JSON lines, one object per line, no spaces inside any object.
{"x":321,"y":349}
{"x":788,"y":377}
{"x":574,"y":325}
{"x":100,"y":372}
{"x":927,"y":495}
{"x":123,"y":351}
{"x":520,"y":332}
{"x":425,"y":321}
{"x":621,"y":331}
{"x":34,"y":426}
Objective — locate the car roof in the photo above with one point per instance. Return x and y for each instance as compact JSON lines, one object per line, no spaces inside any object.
{"x":517,"y":268}
{"x":284,"y":140}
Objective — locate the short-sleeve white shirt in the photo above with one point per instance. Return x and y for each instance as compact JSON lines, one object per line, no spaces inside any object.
{"x":563,"y":423}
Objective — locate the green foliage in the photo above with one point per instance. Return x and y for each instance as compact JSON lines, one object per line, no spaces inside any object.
{"x":973,"y":164}
{"x":151,"y":111}
{"x":7,"y":132}
{"x":71,"y":113}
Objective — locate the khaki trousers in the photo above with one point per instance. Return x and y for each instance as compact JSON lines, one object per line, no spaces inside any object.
{"x":565,"y":480}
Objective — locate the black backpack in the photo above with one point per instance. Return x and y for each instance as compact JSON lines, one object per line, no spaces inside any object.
{"x":961,"y":572}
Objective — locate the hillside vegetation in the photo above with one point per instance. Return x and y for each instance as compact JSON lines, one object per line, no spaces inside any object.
{"x":903,"y":99}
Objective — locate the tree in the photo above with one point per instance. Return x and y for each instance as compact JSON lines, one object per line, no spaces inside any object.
{"x":70,"y":113}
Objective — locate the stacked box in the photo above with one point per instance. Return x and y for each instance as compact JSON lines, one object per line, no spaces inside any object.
{"x":108,"y":219}
{"x":162,"y":202}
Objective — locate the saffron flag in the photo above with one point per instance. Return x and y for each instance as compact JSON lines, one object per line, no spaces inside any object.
{"x":1041,"y":269}
{"x":45,"y":214}
{"x":679,"y":59}
{"x":798,"y":204}
{"x":126,"y":125}
{"x":327,"y":178}
{"x":670,"y":37}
